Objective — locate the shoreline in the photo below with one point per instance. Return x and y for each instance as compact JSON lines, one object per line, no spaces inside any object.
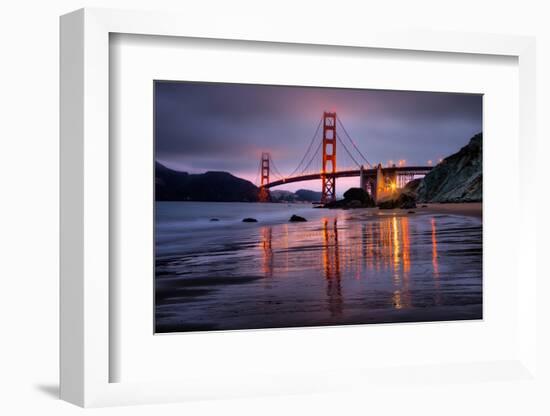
{"x":282,"y":213}
{"x":469,"y":209}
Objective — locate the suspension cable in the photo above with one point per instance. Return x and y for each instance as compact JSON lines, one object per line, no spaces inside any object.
{"x":353,"y":143}
{"x":274,"y":168}
{"x":258,"y":173}
{"x":347,"y":150}
{"x":312,"y":157}
{"x":308,"y":148}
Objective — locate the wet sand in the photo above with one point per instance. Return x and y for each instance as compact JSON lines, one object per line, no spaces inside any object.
{"x":470,"y":209}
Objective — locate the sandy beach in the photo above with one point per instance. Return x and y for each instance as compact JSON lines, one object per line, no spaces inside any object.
{"x":470,"y":209}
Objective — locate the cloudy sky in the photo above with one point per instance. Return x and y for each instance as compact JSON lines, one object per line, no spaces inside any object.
{"x":210,"y":126}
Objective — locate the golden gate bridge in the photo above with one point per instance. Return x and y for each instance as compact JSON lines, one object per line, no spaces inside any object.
{"x":377,"y":180}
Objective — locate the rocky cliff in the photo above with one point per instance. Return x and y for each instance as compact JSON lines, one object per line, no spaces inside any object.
{"x":458,"y":178}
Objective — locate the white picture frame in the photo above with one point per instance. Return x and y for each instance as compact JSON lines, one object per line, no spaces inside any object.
{"x":85,"y":219}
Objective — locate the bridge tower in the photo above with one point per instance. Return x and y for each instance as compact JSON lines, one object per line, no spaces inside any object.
{"x":380,"y":183}
{"x":329,"y":158}
{"x":366,"y":183}
{"x":264,"y":167}
{"x":362,"y":179}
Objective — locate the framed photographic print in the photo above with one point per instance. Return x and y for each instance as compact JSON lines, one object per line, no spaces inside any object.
{"x":237,"y":207}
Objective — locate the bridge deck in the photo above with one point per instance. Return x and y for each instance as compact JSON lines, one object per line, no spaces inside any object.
{"x":403,"y":170}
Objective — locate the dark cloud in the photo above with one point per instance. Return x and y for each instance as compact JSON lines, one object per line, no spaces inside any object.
{"x":211,"y":126}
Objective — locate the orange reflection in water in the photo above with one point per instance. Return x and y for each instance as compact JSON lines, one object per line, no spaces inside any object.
{"x":396,"y":247}
{"x":401,"y":296}
{"x":388,"y":247}
{"x":354,"y":249}
{"x":398,"y":258}
{"x":267,"y":251}
{"x":331,"y":266}
{"x":406,"y":247}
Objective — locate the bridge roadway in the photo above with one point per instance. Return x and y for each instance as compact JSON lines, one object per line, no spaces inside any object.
{"x":371,"y":173}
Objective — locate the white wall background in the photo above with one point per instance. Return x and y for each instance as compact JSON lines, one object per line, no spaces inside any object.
{"x":29,"y":204}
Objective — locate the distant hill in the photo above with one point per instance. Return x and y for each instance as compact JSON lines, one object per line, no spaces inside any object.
{"x":301,"y":195}
{"x":307,"y":195}
{"x":458,"y":178}
{"x":279,"y":195}
{"x":172,"y":185}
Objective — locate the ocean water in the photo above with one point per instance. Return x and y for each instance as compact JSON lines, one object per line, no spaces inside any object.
{"x":341,"y":267}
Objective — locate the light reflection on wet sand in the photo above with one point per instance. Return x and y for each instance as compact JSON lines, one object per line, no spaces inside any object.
{"x":345,"y":267}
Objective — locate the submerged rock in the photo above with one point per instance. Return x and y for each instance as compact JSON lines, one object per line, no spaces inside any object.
{"x":250,"y":220}
{"x":297,"y":218}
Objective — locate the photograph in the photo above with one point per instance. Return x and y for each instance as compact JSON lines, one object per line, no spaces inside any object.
{"x":279,"y":206}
